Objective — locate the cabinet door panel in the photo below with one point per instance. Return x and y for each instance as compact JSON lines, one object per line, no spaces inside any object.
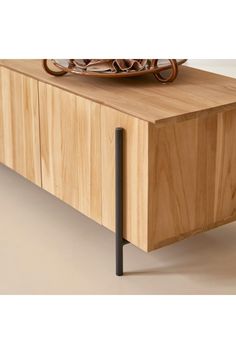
{"x":70,"y":149}
{"x":19,"y":124}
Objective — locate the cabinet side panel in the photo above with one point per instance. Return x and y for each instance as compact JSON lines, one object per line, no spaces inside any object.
{"x":70,"y":149}
{"x":225,"y":176}
{"x":135,"y":174}
{"x":19,"y":124}
{"x":192,"y":177}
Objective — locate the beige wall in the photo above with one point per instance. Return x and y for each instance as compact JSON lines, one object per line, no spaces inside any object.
{"x":219,"y":66}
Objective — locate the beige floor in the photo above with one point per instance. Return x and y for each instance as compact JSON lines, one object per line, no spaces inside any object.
{"x":46,"y":247}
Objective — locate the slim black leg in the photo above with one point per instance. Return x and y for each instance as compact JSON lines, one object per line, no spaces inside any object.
{"x":119,"y":199}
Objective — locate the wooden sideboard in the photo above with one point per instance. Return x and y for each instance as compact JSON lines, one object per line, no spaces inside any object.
{"x":179,"y":155}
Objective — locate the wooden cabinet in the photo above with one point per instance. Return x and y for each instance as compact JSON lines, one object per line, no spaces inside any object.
{"x":19,"y":124}
{"x":70,"y":149}
{"x":179,"y":146}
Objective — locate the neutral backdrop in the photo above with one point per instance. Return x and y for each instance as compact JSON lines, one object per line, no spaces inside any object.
{"x":46,"y":247}
{"x":219,"y":66}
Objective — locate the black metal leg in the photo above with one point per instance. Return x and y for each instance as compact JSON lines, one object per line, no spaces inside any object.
{"x":119,"y":199}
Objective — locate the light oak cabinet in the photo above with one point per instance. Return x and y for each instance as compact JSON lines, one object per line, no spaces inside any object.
{"x":179,"y":147}
{"x":19,"y":124}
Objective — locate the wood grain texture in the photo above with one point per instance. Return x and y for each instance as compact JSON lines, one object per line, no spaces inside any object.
{"x":135,"y":174}
{"x":143,"y":97}
{"x":70,"y":149}
{"x":19,"y":124}
{"x":192,"y":177}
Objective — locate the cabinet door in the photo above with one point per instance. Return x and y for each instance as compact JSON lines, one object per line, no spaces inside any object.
{"x":70,"y":149}
{"x":19,"y":124}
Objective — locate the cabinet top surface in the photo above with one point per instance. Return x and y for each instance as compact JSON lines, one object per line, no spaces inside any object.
{"x":144,"y":97}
